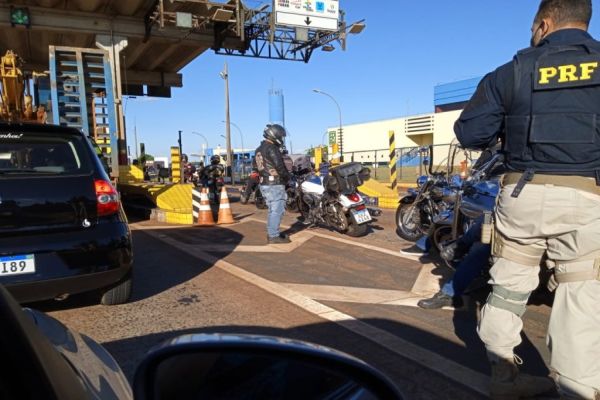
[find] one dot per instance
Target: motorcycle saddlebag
(348, 176)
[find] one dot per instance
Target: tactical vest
(552, 123)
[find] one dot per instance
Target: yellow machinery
(16, 106)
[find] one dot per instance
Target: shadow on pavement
(162, 273)
(408, 376)
(465, 320)
(415, 381)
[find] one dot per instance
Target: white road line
(348, 294)
(446, 367)
(352, 243)
(427, 283)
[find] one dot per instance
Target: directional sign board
(311, 14)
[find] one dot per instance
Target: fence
(412, 161)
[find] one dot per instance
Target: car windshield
(35, 153)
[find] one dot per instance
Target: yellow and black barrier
(175, 165)
(393, 161)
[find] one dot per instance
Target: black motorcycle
(291, 189)
(416, 212)
(213, 180)
(476, 200)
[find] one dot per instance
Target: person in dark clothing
(251, 184)
(475, 261)
(273, 178)
(544, 107)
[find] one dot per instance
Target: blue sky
(389, 70)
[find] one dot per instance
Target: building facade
(368, 142)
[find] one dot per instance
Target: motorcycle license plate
(16, 265)
(362, 216)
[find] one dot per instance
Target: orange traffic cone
(225, 215)
(205, 215)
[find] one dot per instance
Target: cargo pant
(564, 225)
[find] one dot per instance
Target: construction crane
(17, 106)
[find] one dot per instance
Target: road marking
(427, 283)
(352, 243)
(135, 227)
(433, 361)
(348, 294)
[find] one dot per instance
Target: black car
(62, 227)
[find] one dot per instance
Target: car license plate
(362, 216)
(16, 265)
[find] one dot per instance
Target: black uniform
(544, 105)
(270, 165)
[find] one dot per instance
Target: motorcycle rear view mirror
(255, 367)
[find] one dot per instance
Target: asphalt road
(355, 295)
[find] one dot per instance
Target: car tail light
(354, 197)
(361, 207)
(107, 197)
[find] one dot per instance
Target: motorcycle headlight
(421, 180)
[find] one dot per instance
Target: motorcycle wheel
(292, 205)
(355, 230)
(303, 208)
(410, 232)
(260, 203)
(442, 236)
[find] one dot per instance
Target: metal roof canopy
(157, 49)
(154, 55)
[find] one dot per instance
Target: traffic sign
(312, 14)
(332, 137)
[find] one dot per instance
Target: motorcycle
(475, 201)
(256, 196)
(334, 201)
(435, 194)
(214, 181)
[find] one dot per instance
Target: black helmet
(275, 133)
(216, 159)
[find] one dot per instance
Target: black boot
(508, 383)
(279, 240)
(440, 300)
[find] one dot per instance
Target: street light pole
(225, 76)
(180, 157)
(242, 142)
(340, 118)
(205, 141)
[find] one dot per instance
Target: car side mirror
(255, 367)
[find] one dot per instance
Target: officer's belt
(570, 181)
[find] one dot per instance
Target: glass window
(39, 154)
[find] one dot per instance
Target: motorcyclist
(214, 171)
(188, 169)
(273, 178)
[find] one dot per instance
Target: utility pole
(225, 76)
(341, 129)
(137, 154)
(180, 156)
